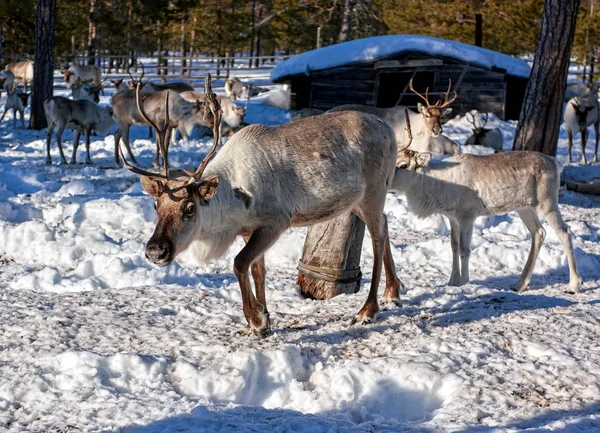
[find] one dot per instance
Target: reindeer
(265, 180)
(426, 123)
(81, 90)
(465, 186)
(581, 112)
(76, 74)
(17, 100)
(126, 114)
(483, 136)
(82, 115)
(232, 114)
(22, 71)
(176, 86)
(233, 88)
(7, 81)
(119, 84)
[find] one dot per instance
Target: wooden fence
(174, 67)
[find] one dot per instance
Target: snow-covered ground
(94, 338)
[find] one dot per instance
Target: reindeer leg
(22, 119)
(48, 140)
(75, 146)
(393, 285)
(150, 133)
(570, 135)
(584, 136)
(259, 273)
(3, 114)
(454, 242)
(596, 127)
(118, 135)
(59, 132)
(88, 159)
(14, 118)
(464, 248)
(538, 234)
(126, 140)
(377, 228)
(553, 217)
(260, 241)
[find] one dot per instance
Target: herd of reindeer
(265, 180)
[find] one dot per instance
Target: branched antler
(439, 103)
(408, 130)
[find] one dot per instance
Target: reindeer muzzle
(159, 252)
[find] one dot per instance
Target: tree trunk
(330, 263)
(540, 118)
(346, 21)
(183, 48)
(92, 24)
(43, 61)
(1, 53)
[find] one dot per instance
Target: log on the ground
(330, 263)
(583, 188)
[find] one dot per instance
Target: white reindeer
(232, 115)
(265, 180)
(233, 88)
(425, 124)
(17, 101)
(482, 136)
(581, 112)
(464, 187)
(82, 115)
(22, 71)
(81, 90)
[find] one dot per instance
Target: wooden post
(227, 64)
(1, 54)
(478, 30)
(330, 263)
(73, 49)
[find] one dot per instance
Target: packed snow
(381, 47)
(95, 338)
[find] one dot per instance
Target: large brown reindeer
(265, 180)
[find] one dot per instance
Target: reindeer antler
(408, 130)
(162, 134)
(440, 104)
(470, 118)
(212, 103)
(425, 98)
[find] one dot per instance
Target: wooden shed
(376, 71)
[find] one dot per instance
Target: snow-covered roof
(380, 47)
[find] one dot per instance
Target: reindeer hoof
(365, 318)
(394, 302)
(574, 287)
(520, 288)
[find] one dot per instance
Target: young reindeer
(265, 180)
(483, 136)
(465, 186)
(81, 115)
(581, 112)
(22, 71)
(17, 101)
(426, 123)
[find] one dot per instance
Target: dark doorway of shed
(393, 87)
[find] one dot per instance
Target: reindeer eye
(403, 165)
(189, 210)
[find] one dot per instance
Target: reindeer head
(433, 114)
(133, 84)
(581, 111)
(412, 160)
(182, 201)
(24, 97)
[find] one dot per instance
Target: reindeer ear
(420, 108)
(152, 186)
(208, 188)
(423, 159)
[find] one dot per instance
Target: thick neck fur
(427, 191)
